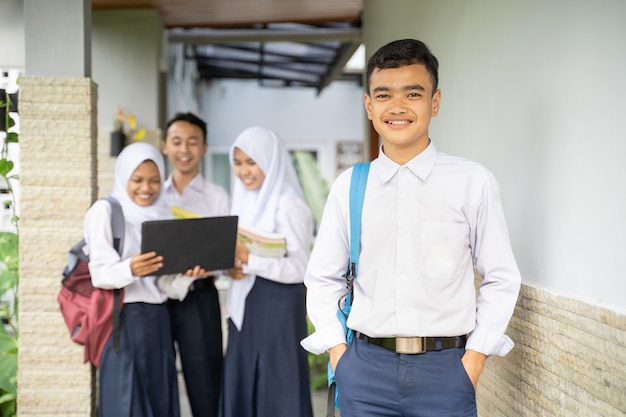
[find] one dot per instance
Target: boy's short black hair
(189, 118)
(400, 53)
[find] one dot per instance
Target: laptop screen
(184, 243)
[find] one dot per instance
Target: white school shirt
(200, 197)
(425, 225)
(294, 221)
(108, 269)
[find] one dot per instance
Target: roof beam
(335, 69)
(218, 36)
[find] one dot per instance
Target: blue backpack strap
(117, 229)
(357, 194)
(358, 183)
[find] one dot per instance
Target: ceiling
(280, 43)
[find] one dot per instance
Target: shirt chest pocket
(443, 250)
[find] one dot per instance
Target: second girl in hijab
(266, 371)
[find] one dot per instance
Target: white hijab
(127, 162)
(258, 208)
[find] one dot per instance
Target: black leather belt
(415, 345)
(202, 283)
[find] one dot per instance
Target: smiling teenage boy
(196, 321)
(429, 219)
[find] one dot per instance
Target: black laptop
(184, 243)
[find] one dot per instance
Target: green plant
(9, 265)
(317, 366)
(315, 190)
(314, 186)
(8, 373)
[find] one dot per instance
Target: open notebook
(184, 243)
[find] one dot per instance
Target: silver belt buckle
(410, 345)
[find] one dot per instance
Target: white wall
(301, 117)
(535, 91)
(58, 38)
(127, 59)
(12, 36)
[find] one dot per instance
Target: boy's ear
(367, 100)
(436, 103)
(163, 147)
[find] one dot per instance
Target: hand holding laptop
(144, 264)
(198, 272)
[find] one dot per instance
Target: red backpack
(92, 314)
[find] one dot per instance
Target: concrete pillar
(58, 166)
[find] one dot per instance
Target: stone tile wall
(569, 361)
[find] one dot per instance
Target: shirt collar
(421, 165)
(168, 184)
(196, 184)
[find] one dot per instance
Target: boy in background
(196, 321)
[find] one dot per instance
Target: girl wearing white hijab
(140, 379)
(266, 371)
